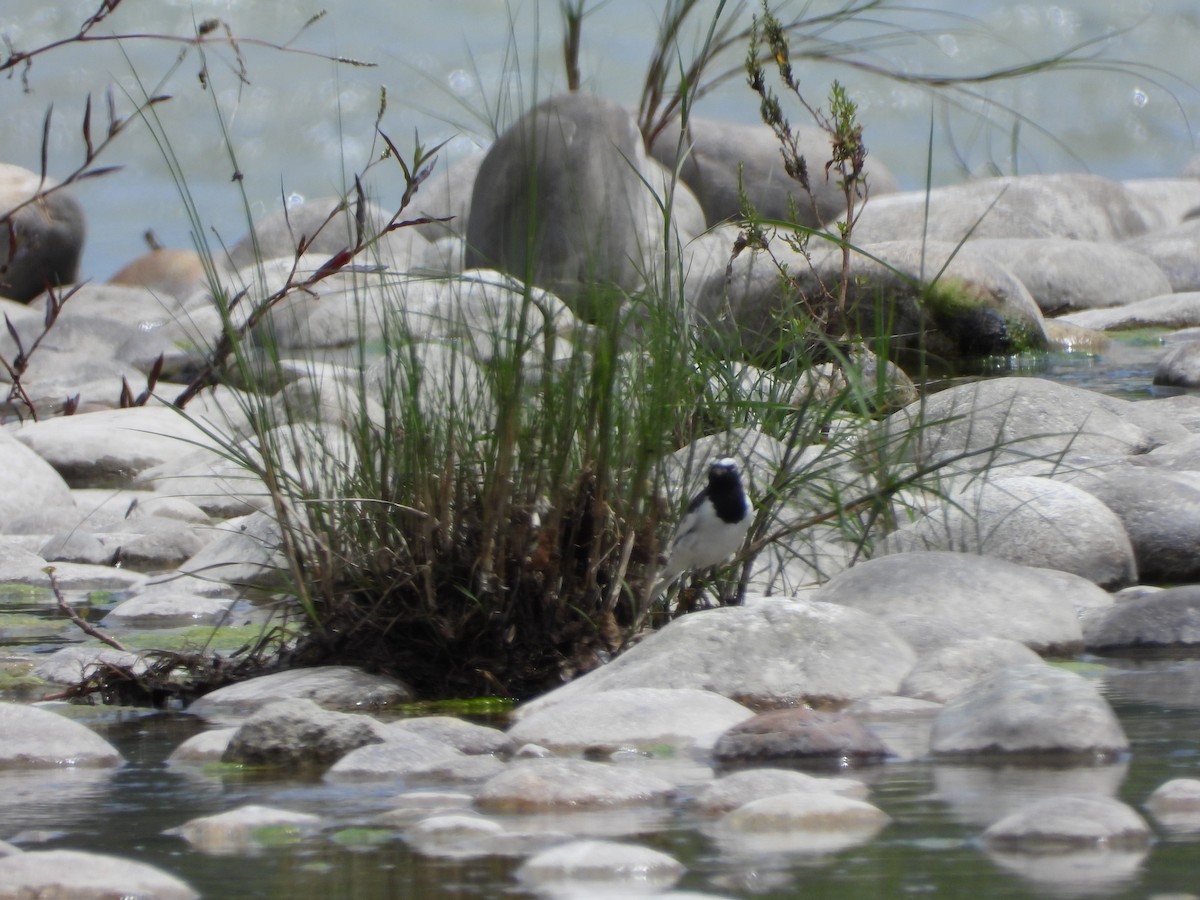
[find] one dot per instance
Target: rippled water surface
(930, 849)
(299, 125)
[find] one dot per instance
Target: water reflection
(1083, 873)
(981, 795)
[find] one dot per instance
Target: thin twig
(83, 626)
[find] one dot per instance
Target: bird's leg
(686, 601)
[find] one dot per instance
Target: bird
(713, 526)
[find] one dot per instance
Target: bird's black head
(725, 490)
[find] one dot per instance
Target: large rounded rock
(399, 756)
(1063, 275)
(333, 687)
(807, 823)
(1035, 712)
(164, 272)
(1175, 805)
(1180, 366)
(1177, 310)
(38, 739)
(1176, 251)
(28, 484)
(1032, 421)
(739, 788)
(799, 736)
(111, 447)
(1074, 206)
(633, 717)
(239, 830)
(977, 308)
(1031, 521)
(1057, 824)
(327, 227)
(959, 595)
(771, 653)
(600, 868)
(720, 160)
(299, 734)
(1160, 511)
(945, 673)
(1169, 618)
(565, 785)
(466, 737)
(43, 247)
(85, 876)
(559, 199)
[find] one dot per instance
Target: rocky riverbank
(1060, 518)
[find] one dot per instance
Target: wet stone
(546, 785)
(606, 867)
(799, 736)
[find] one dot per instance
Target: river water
(299, 125)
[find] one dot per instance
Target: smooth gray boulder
(1160, 511)
(327, 226)
(245, 553)
(111, 447)
(1179, 366)
(43, 246)
(297, 733)
(165, 608)
(28, 484)
(945, 673)
(36, 738)
(1166, 201)
(940, 597)
(85, 876)
(1030, 712)
(1031, 521)
(978, 308)
(1062, 823)
(466, 737)
(600, 868)
(559, 200)
(1039, 424)
(1068, 205)
(1064, 275)
(630, 717)
(720, 159)
(1175, 805)
(128, 308)
(568, 785)
(799, 823)
(1174, 310)
(446, 194)
(333, 687)
(399, 755)
(455, 836)
(819, 653)
(237, 831)
(1175, 249)
(203, 748)
(815, 738)
(736, 789)
(1169, 618)
(73, 664)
